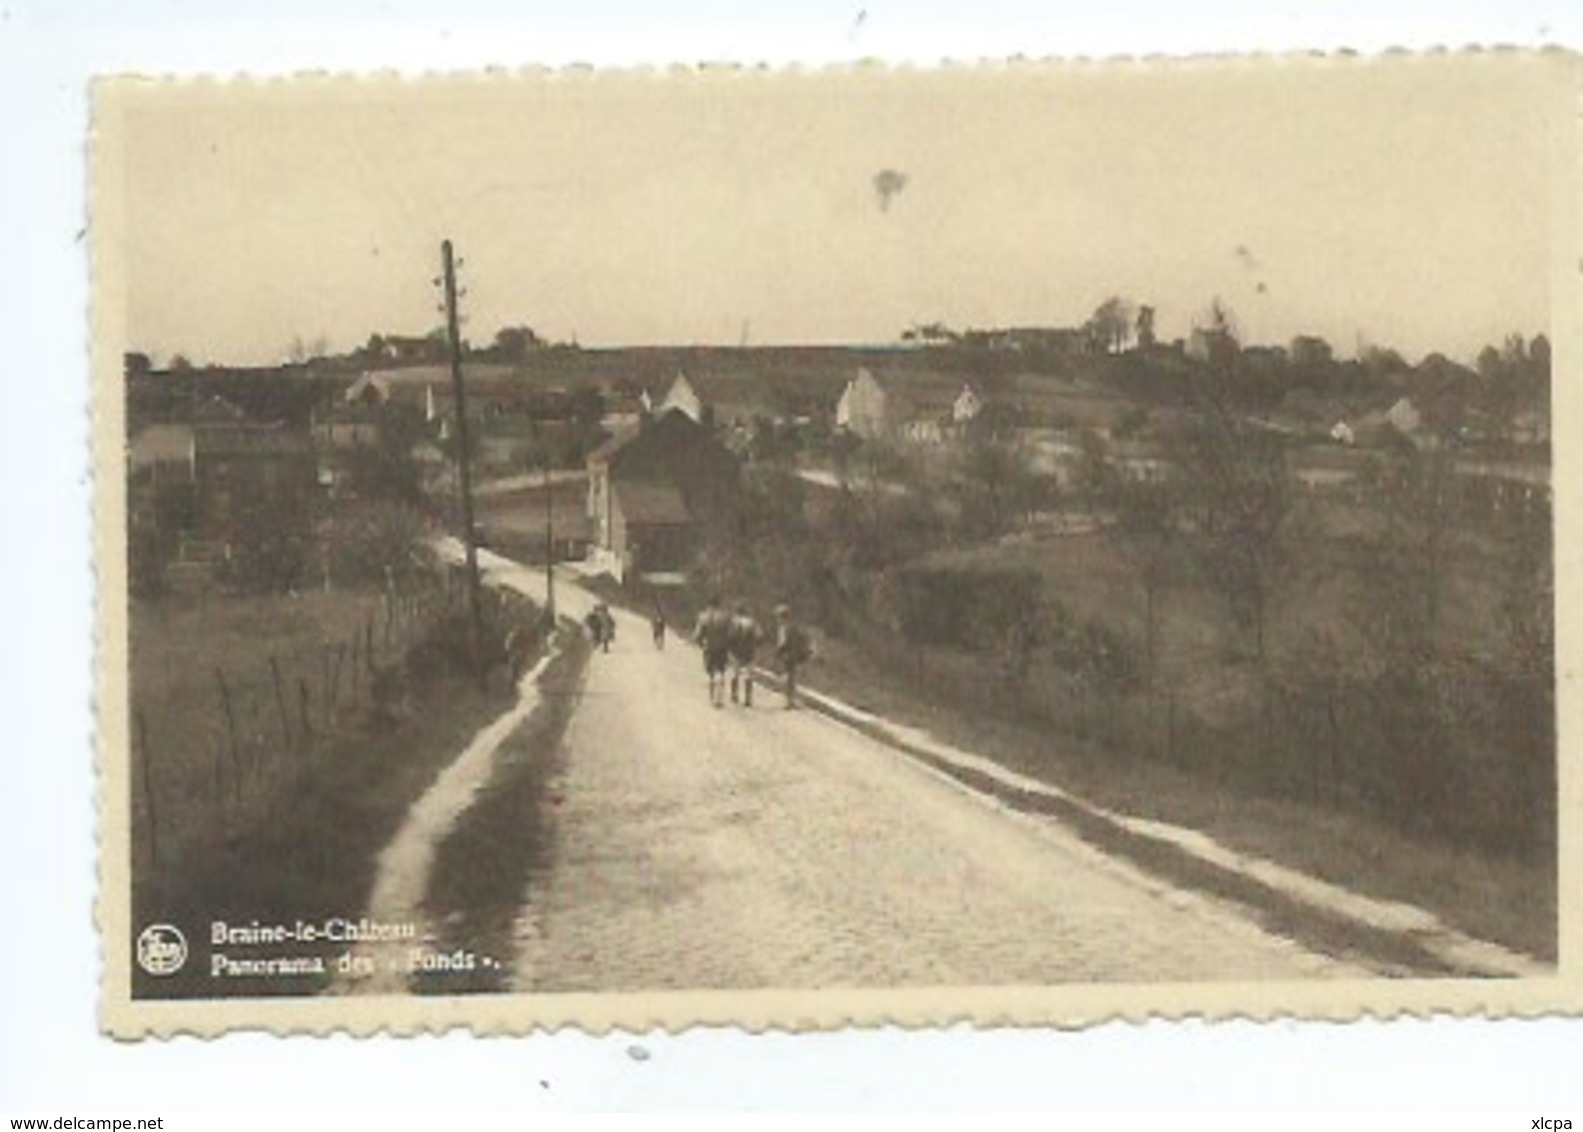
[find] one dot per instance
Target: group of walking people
(731, 639)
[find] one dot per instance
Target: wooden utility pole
(549, 541)
(464, 475)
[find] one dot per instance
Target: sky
(1400, 203)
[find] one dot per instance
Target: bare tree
(1149, 537)
(1239, 493)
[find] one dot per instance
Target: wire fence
(223, 761)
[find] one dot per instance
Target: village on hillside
(1263, 575)
(209, 446)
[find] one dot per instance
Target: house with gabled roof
(873, 408)
(652, 492)
(684, 398)
(865, 408)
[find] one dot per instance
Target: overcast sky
(1405, 203)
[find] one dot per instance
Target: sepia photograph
(1041, 542)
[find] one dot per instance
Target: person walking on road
(713, 635)
(792, 650)
(745, 640)
(607, 624)
(601, 626)
(657, 624)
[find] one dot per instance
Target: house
(1404, 417)
(162, 451)
(1051, 453)
(864, 408)
(1530, 427)
(244, 471)
(204, 480)
(1139, 461)
(967, 406)
(683, 397)
(215, 409)
(652, 491)
(161, 472)
(428, 387)
(1343, 433)
(920, 414)
(348, 425)
(653, 526)
(436, 470)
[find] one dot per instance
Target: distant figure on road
(745, 640)
(713, 635)
(601, 626)
(792, 649)
(657, 624)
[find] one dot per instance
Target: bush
(365, 541)
(1096, 653)
(972, 608)
(268, 550)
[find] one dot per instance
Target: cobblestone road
(705, 848)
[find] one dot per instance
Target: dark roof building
(651, 490)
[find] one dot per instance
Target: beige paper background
(1555, 117)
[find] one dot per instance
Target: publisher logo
(161, 949)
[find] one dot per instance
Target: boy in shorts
(745, 640)
(713, 636)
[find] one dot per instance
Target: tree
(930, 334)
(1381, 363)
(1147, 532)
(512, 343)
(1216, 338)
(1490, 365)
(1311, 352)
(1539, 355)
(997, 482)
(1409, 551)
(1239, 492)
(1095, 478)
(1109, 328)
(136, 364)
(1144, 327)
(376, 350)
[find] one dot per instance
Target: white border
(51, 1057)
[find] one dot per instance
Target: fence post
(324, 683)
(335, 684)
(280, 701)
(302, 705)
(219, 780)
(1170, 725)
(230, 728)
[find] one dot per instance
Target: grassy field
(192, 658)
(287, 825)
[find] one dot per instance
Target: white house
(862, 408)
(967, 406)
(684, 397)
(1404, 417)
